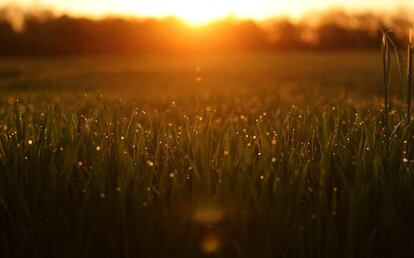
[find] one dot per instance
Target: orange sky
(200, 11)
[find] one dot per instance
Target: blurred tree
(8, 38)
(42, 33)
(287, 35)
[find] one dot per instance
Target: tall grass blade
(409, 76)
(386, 74)
(400, 62)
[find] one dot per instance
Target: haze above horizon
(202, 11)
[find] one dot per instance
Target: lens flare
(211, 243)
(208, 213)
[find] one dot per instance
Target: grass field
(254, 155)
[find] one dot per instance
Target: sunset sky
(205, 10)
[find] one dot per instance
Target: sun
(197, 18)
(201, 12)
(192, 12)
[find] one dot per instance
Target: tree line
(47, 34)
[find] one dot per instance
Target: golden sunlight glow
(202, 11)
(193, 12)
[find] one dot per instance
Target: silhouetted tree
(288, 35)
(46, 34)
(8, 38)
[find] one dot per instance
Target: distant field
(355, 72)
(254, 155)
